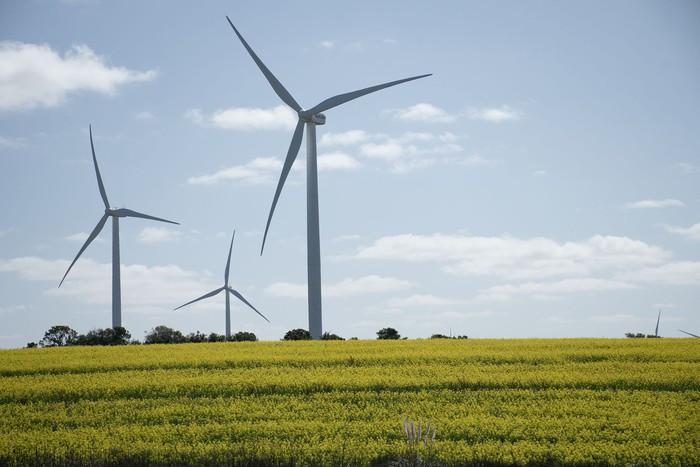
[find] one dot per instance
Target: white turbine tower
(228, 289)
(115, 214)
(310, 118)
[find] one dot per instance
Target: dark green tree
(297, 335)
(164, 335)
(196, 337)
(59, 336)
(388, 333)
(244, 336)
(214, 337)
(107, 336)
(327, 336)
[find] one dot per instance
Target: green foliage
(297, 335)
(108, 336)
(164, 335)
(244, 336)
(640, 335)
(327, 336)
(59, 336)
(388, 333)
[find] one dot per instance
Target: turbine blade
(288, 162)
(210, 294)
(95, 232)
(274, 82)
(123, 212)
(100, 185)
(343, 98)
(689, 333)
(240, 297)
(228, 263)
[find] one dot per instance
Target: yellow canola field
(517, 402)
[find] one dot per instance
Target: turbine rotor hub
(115, 212)
(318, 119)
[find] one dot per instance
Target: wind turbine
(689, 333)
(115, 214)
(658, 319)
(227, 288)
(309, 118)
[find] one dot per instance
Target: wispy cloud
(685, 167)
(327, 44)
(11, 143)
(259, 171)
(677, 273)
(654, 204)
(144, 116)
(516, 258)
(34, 75)
(159, 235)
(422, 112)
(691, 233)
(422, 301)
(345, 288)
(552, 290)
(351, 137)
(337, 161)
(246, 118)
(500, 114)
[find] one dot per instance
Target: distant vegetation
(63, 336)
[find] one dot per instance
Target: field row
(515, 402)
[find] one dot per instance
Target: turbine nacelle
(115, 212)
(317, 119)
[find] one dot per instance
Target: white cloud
(345, 288)
(337, 161)
(516, 258)
(389, 151)
(552, 290)
(33, 75)
(77, 237)
(422, 112)
(677, 273)
(158, 235)
(494, 114)
(143, 287)
(246, 118)
(327, 44)
(653, 204)
(258, 171)
(685, 167)
(8, 143)
(421, 301)
(346, 138)
(346, 238)
(691, 233)
(144, 116)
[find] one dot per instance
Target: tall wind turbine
(228, 289)
(309, 118)
(115, 214)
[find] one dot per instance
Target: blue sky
(542, 183)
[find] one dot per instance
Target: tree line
(62, 335)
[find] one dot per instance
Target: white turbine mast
(309, 118)
(115, 214)
(228, 289)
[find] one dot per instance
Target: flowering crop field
(494, 402)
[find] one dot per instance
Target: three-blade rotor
(109, 212)
(226, 287)
(305, 116)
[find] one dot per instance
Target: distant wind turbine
(690, 334)
(227, 288)
(115, 214)
(658, 319)
(310, 118)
